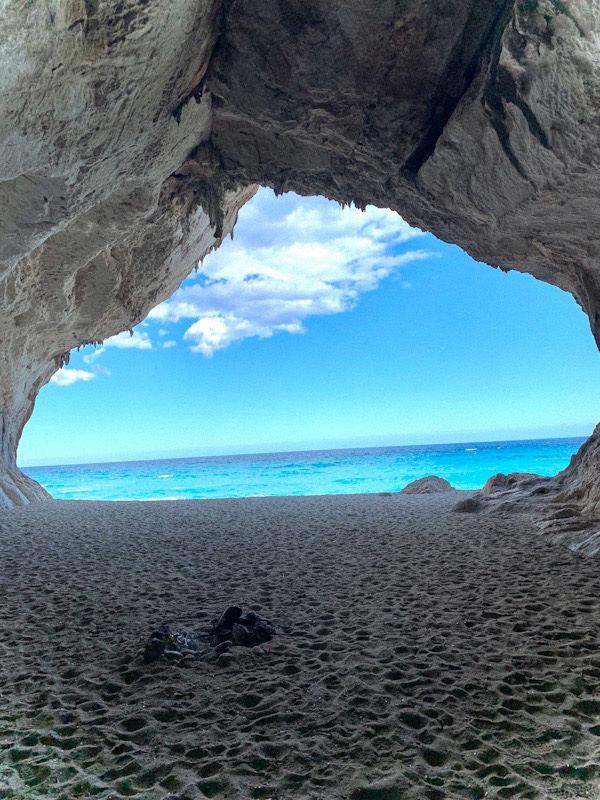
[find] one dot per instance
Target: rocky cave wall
(131, 132)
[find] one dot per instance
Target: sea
(357, 470)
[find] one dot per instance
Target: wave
(376, 470)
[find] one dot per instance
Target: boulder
(468, 506)
(429, 485)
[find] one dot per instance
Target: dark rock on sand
(240, 635)
(157, 644)
(247, 631)
(209, 643)
(228, 617)
(468, 505)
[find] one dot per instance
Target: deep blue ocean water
(357, 470)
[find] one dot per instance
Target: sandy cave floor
(422, 654)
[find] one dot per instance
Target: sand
(422, 653)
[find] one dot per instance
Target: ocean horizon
(467, 465)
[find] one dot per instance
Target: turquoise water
(375, 469)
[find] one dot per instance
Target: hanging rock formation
(133, 130)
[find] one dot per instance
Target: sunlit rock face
(132, 132)
(101, 217)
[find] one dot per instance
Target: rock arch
(133, 131)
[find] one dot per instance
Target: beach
(420, 652)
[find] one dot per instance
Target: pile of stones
(233, 628)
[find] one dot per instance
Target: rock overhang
(132, 132)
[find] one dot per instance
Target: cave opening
(417, 653)
(324, 328)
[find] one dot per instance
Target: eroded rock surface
(501, 482)
(133, 131)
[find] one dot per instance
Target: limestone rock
(429, 485)
(132, 132)
(580, 481)
(501, 482)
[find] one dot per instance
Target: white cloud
(292, 258)
(127, 340)
(170, 343)
(66, 376)
(162, 332)
(91, 357)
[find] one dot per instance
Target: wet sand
(421, 654)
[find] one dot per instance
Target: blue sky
(320, 326)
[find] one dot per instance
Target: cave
(454, 657)
(134, 131)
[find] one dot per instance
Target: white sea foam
(165, 476)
